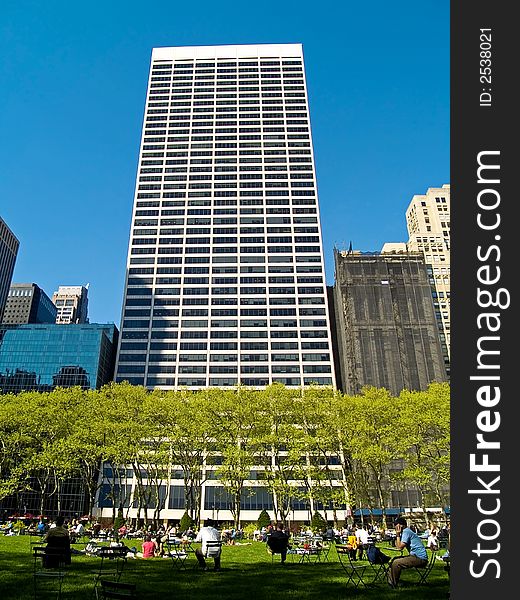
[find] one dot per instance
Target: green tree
(424, 425)
(282, 448)
(184, 417)
(186, 522)
(318, 523)
(377, 440)
(236, 418)
(263, 519)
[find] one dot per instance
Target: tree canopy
(313, 444)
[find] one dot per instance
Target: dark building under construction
(385, 330)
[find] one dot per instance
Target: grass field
(247, 573)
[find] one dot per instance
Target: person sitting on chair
(417, 557)
(58, 542)
(278, 542)
(41, 528)
(352, 545)
(362, 540)
(208, 533)
(433, 541)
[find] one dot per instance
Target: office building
(72, 304)
(8, 252)
(28, 303)
(385, 322)
(42, 357)
(225, 274)
(428, 224)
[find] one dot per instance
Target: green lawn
(247, 574)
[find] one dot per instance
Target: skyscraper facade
(28, 303)
(8, 251)
(385, 323)
(225, 274)
(428, 224)
(72, 304)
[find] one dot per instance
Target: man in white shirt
(208, 533)
(362, 540)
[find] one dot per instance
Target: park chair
(116, 589)
(324, 554)
(378, 562)
(354, 572)
(178, 556)
(49, 568)
(213, 550)
(112, 561)
(35, 539)
(423, 572)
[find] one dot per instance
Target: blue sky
(73, 77)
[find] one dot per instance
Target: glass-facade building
(42, 357)
(225, 273)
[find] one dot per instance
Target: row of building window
(242, 84)
(180, 69)
(135, 323)
(217, 280)
(227, 346)
(134, 347)
(228, 269)
(200, 301)
(204, 62)
(215, 239)
(215, 369)
(191, 358)
(215, 498)
(189, 291)
(224, 381)
(132, 334)
(262, 207)
(228, 312)
(243, 131)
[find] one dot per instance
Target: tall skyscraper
(8, 251)
(428, 223)
(28, 303)
(72, 304)
(225, 276)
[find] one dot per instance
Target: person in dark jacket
(58, 543)
(278, 542)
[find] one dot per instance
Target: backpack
(375, 556)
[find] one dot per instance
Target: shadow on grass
(247, 574)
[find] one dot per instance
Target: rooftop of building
(228, 51)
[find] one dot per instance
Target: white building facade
(225, 274)
(428, 224)
(71, 302)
